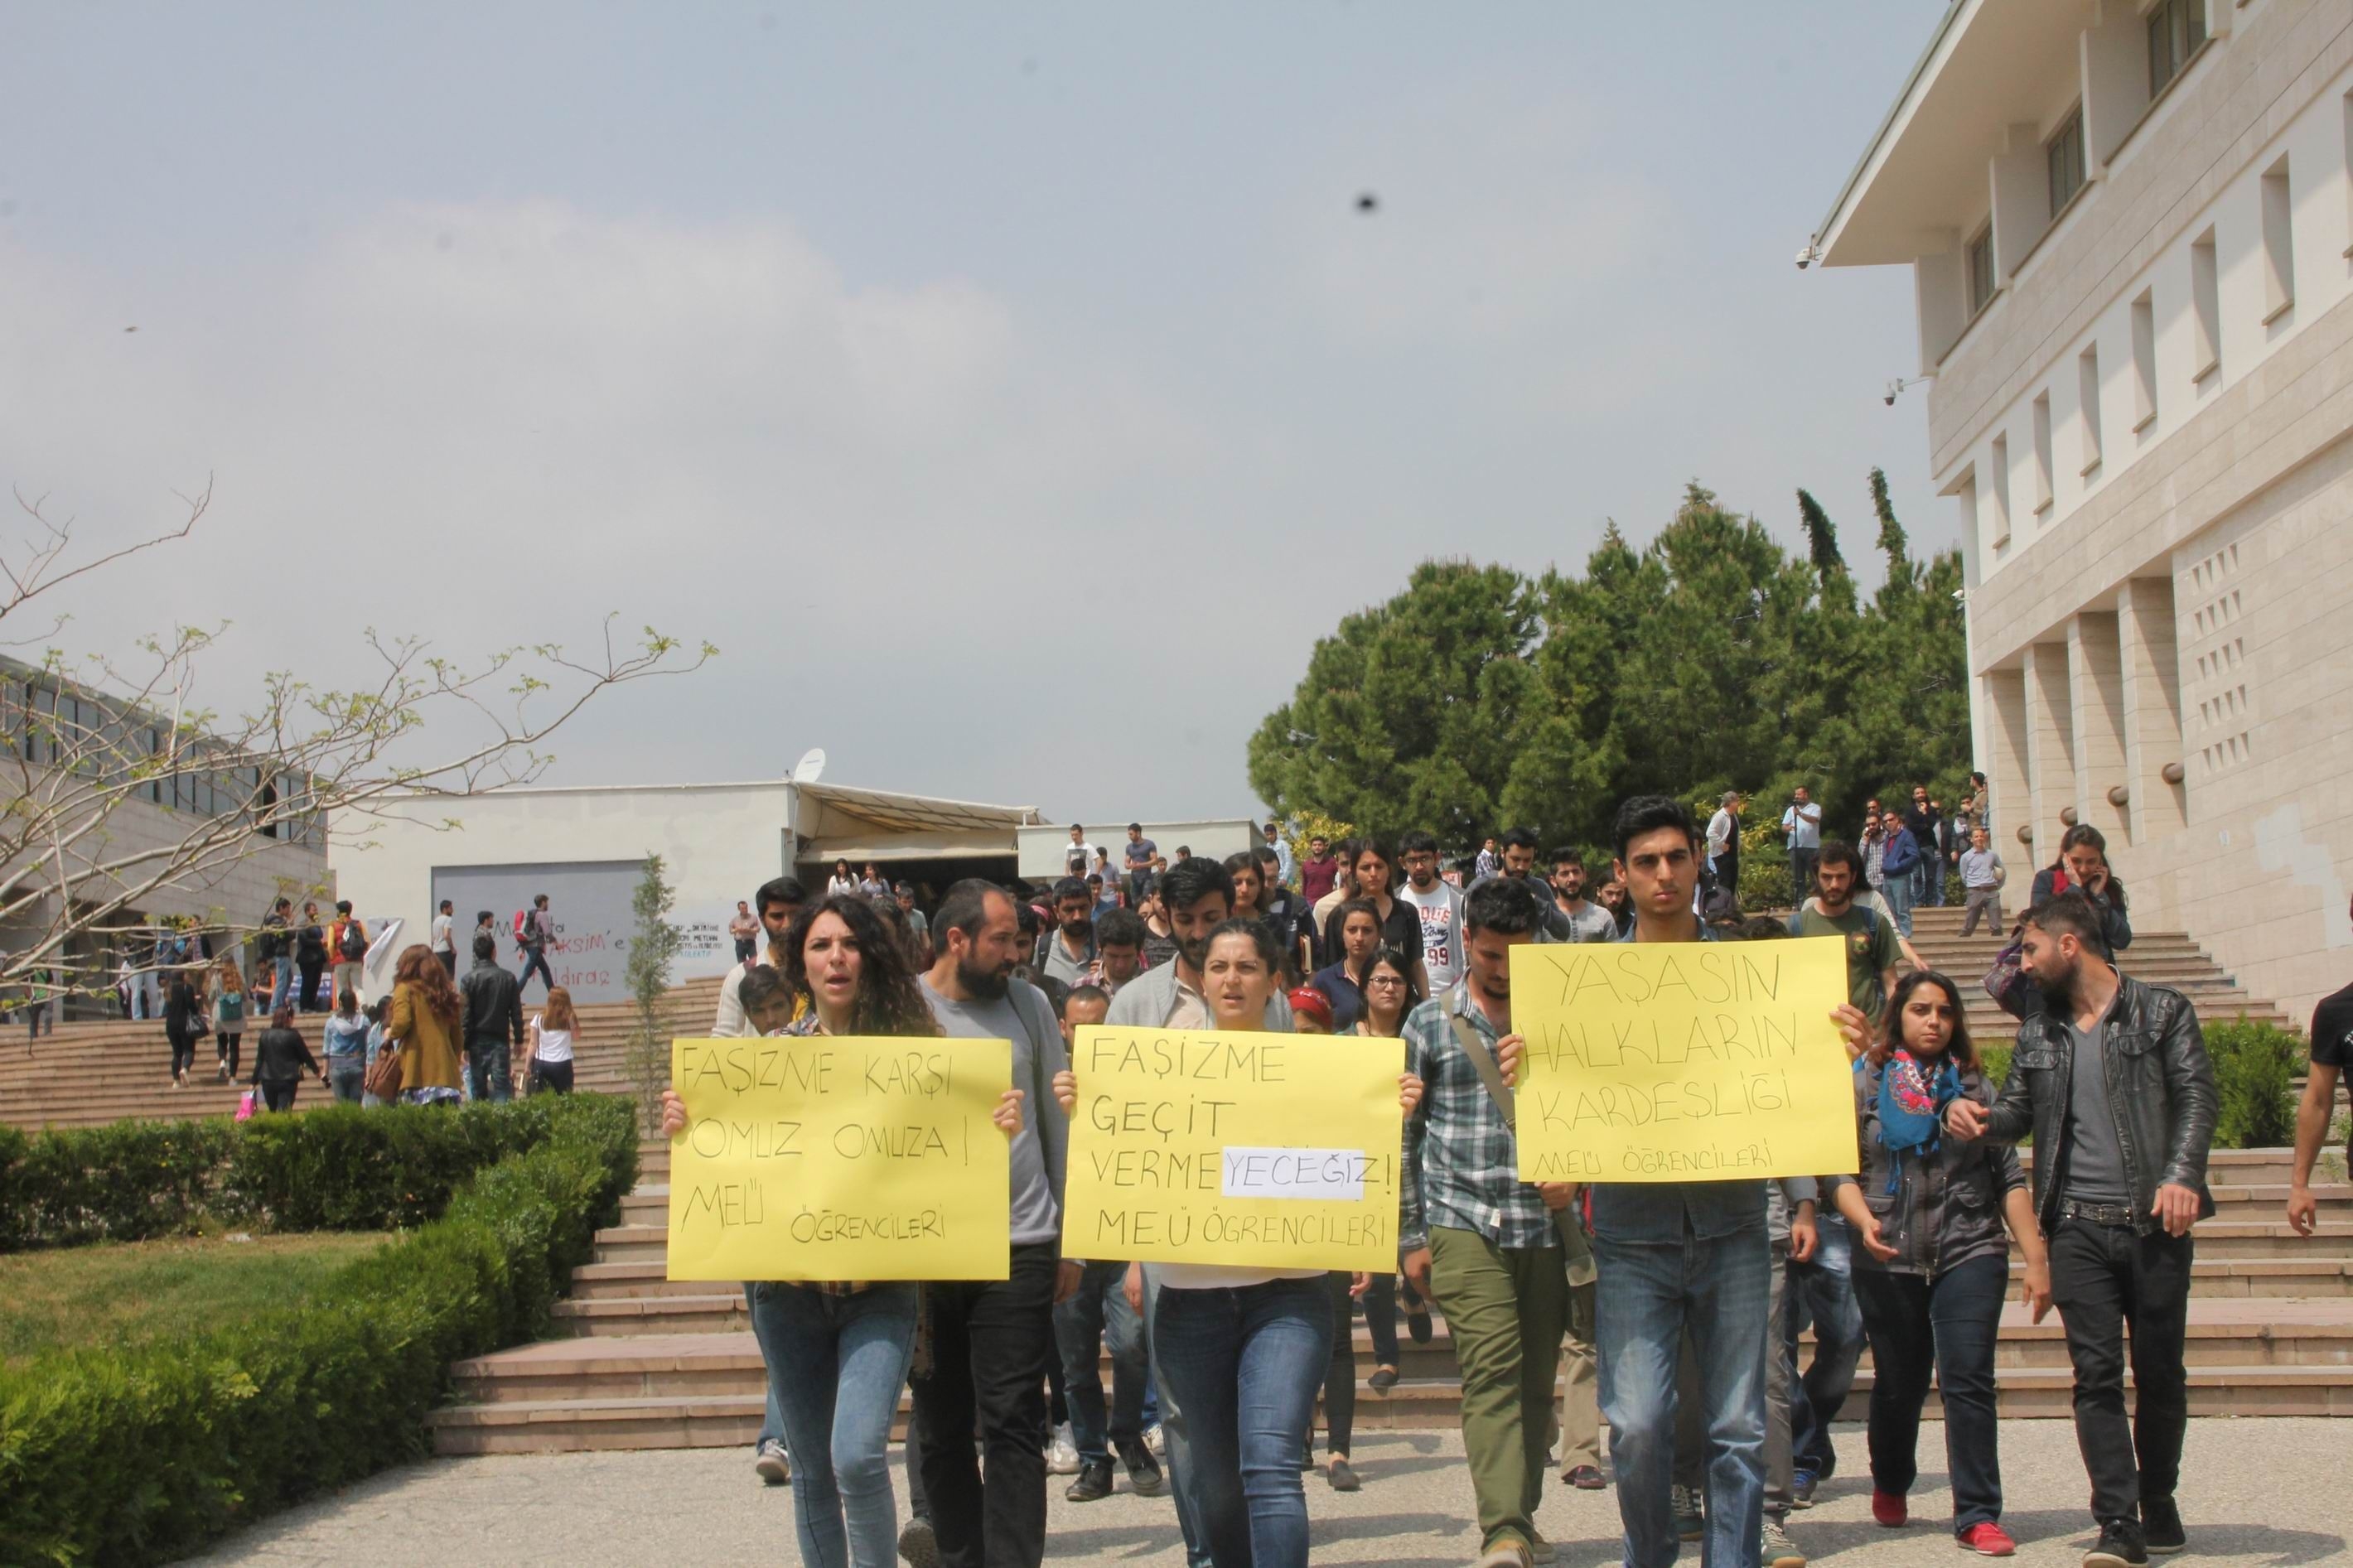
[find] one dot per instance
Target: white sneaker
(1153, 1440)
(1061, 1455)
(772, 1464)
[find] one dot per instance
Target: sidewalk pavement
(2268, 1492)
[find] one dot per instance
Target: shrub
(343, 1168)
(334, 1168)
(141, 1455)
(2255, 1080)
(127, 1181)
(1765, 881)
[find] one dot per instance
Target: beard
(1196, 954)
(2058, 990)
(988, 984)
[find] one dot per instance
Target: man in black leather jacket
(2113, 1082)
(493, 1018)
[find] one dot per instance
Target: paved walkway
(2268, 1492)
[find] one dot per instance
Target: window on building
(1980, 269)
(2205, 307)
(2087, 404)
(2043, 454)
(2144, 347)
(2176, 29)
(1998, 492)
(2279, 244)
(2063, 156)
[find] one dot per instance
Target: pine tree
(1822, 537)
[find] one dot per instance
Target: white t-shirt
(441, 941)
(1441, 931)
(554, 1045)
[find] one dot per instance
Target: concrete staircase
(654, 1363)
(88, 1074)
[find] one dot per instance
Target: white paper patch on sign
(1331, 1173)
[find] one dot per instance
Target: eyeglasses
(1372, 980)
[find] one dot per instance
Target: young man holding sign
(1477, 1240)
(1677, 1257)
(991, 1339)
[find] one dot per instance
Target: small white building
(585, 847)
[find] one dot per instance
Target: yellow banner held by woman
(1254, 1151)
(824, 1157)
(1682, 1061)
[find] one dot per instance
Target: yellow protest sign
(1251, 1149)
(818, 1157)
(1682, 1061)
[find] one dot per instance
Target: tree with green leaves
(653, 949)
(1710, 659)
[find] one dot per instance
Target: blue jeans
(772, 1417)
(488, 1073)
(1176, 1459)
(1244, 1364)
(1823, 1293)
(836, 1364)
(1719, 1289)
(1898, 891)
(1095, 1316)
(345, 1076)
(535, 961)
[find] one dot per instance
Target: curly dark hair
(890, 1000)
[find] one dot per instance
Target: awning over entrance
(835, 823)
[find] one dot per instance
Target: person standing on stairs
(2332, 1053)
(841, 1351)
(2113, 1082)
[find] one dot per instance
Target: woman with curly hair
(838, 1352)
(425, 1014)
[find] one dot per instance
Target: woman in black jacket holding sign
(837, 1350)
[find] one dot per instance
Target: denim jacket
(1660, 1213)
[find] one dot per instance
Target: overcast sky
(1013, 393)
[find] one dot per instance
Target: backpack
(521, 927)
(354, 941)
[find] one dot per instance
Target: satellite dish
(812, 763)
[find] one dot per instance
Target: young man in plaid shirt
(1476, 1239)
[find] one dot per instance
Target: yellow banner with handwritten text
(1250, 1150)
(1682, 1061)
(818, 1157)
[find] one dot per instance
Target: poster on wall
(594, 922)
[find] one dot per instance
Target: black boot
(1142, 1471)
(1093, 1482)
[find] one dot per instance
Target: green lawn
(121, 1293)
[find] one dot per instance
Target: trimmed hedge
(338, 1167)
(2254, 1078)
(343, 1168)
(128, 1182)
(142, 1455)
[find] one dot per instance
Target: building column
(2001, 704)
(2149, 649)
(2049, 751)
(2095, 678)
